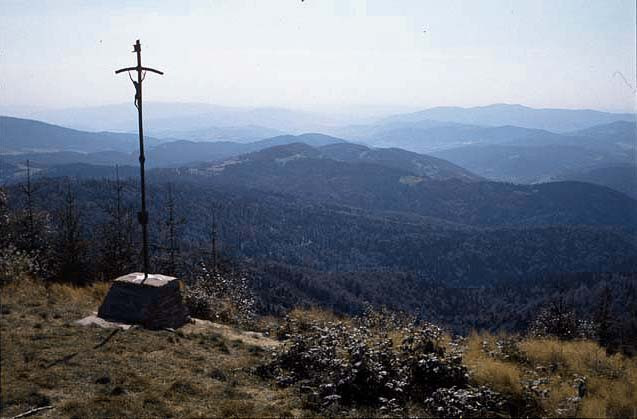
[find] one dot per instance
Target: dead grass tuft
(314, 314)
(581, 357)
(502, 376)
(611, 380)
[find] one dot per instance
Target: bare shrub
(221, 296)
(558, 319)
(362, 363)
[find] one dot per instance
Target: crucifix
(142, 216)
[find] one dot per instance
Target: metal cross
(142, 216)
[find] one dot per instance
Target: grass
(554, 366)
(201, 371)
(611, 380)
(206, 370)
(502, 376)
(314, 314)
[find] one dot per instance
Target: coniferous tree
(70, 251)
(117, 246)
(603, 317)
(31, 223)
(28, 190)
(170, 247)
(214, 238)
(5, 233)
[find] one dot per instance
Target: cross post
(142, 216)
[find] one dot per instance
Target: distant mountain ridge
(187, 117)
(504, 153)
(49, 145)
(196, 121)
(239, 134)
(426, 135)
(558, 120)
(539, 157)
(29, 135)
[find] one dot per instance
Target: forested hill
(302, 232)
(374, 185)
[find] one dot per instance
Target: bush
(224, 297)
(559, 320)
(455, 402)
(16, 263)
(363, 363)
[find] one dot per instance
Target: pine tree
(5, 232)
(213, 238)
(70, 252)
(603, 317)
(31, 222)
(171, 264)
(117, 245)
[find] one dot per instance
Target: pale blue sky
(322, 54)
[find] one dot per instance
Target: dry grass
(584, 357)
(611, 380)
(502, 376)
(197, 372)
(610, 398)
(314, 314)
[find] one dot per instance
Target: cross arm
(121, 70)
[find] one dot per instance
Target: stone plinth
(156, 303)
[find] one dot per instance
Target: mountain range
(504, 153)
(167, 119)
(330, 204)
(558, 120)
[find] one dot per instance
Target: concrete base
(157, 303)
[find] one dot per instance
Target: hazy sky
(322, 53)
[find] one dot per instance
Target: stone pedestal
(155, 304)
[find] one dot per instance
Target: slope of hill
(200, 370)
(527, 164)
(418, 164)
(620, 131)
(48, 159)
(301, 171)
(620, 178)
(360, 219)
(181, 152)
(207, 369)
(618, 138)
(23, 135)
(311, 139)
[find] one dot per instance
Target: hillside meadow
(207, 369)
